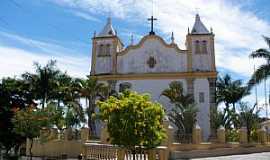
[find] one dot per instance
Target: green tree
(14, 95)
(263, 72)
(133, 120)
(29, 122)
(249, 118)
(219, 118)
(68, 97)
(176, 94)
(43, 82)
(230, 92)
(184, 117)
(184, 112)
(91, 89)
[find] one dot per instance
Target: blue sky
(39, 30)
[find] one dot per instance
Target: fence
(95, 151)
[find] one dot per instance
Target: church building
(152, 64)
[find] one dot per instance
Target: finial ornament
(211, 30)
(172, 38)
(188, 30)
(95, 33)
(197, 10)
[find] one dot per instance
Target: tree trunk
(30, 149)
(58, 103)
(234, 107)
(91, 122)
(43, 102)
(6, 153)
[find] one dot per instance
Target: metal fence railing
(94, 151)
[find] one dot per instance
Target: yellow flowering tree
(133, 120)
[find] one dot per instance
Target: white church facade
(152, 64)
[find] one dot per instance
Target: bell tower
(105, 46)
(200, 44)
(201, 59)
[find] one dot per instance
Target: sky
(40, 30)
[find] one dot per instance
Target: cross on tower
(152, 19)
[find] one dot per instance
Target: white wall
(103, 65)
(203, 117)
(168, 59)
(154, 88)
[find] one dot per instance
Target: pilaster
(189, 53)
(94, 56)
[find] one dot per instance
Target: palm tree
(263, 72)
(43, 82)
(66, 104)
(91, 89)
(249, 118)
(184, 117)
(230, 92)
(219, 118)
(175, 93)
(184, 112)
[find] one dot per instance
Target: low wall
(56, 148)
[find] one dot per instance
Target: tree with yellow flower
(133, 120)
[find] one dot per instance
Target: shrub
(133, 120)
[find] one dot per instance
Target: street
(254, 156)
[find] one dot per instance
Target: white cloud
(16, 61)
(86, 16)
(238, 32)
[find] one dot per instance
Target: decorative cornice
(108, 37)
(131, 47)
(169, 75)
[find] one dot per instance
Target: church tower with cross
(152, 64)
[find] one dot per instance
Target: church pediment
(150, 38)
(152, 55)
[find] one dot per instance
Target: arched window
(124, 86)
(204, 47)
(197, 47)
(101, 50)
(108, 48)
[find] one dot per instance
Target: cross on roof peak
(152, 19)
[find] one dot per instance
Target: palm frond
(263, 72)
(267, 40)
(260, 53)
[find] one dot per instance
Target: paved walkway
(254, 156)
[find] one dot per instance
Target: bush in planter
(133, 120)
(232, 135)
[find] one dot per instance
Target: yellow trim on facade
(94, 55)
(144, 76)
(189, 53)
(131, 47)
(114, 56)
(212, 39)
